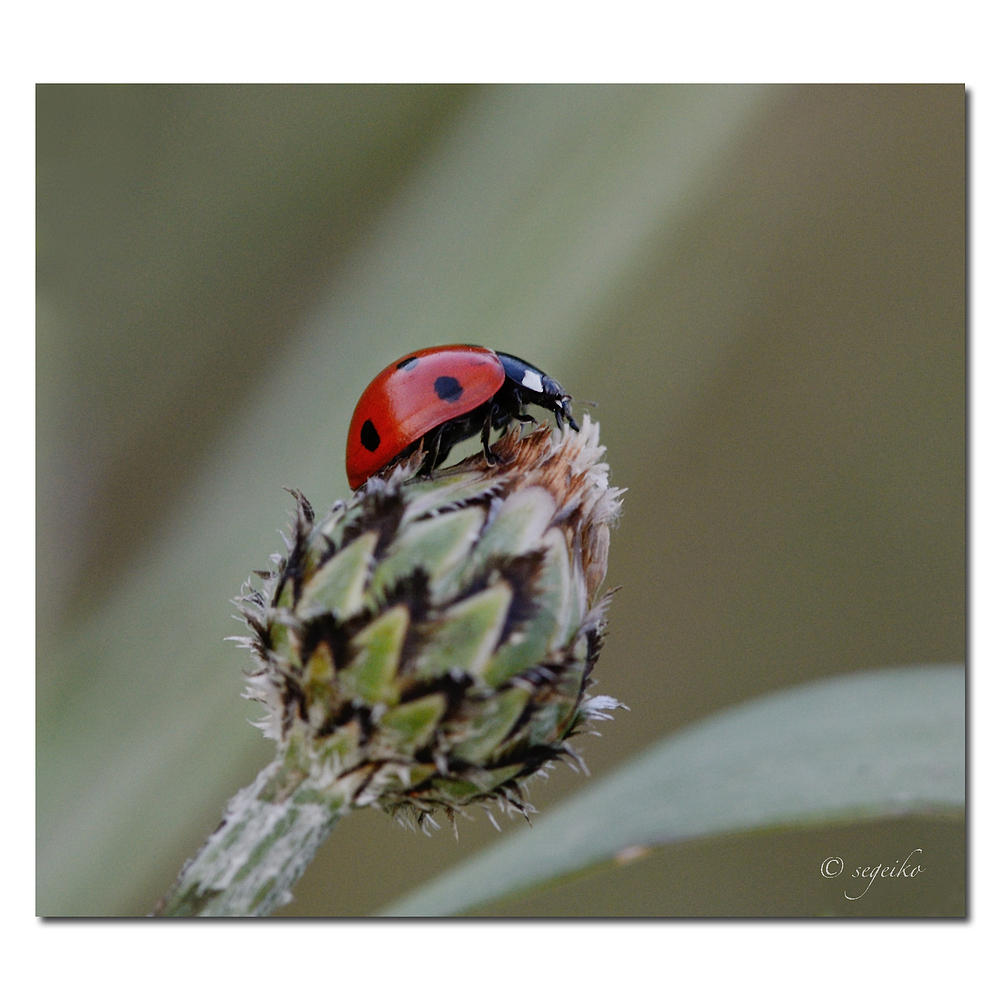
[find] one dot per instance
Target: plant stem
(268, 835)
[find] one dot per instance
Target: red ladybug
(443, 395)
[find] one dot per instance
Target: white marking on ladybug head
(532, 380)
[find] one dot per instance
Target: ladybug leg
(488, 453)
(433, 455)
(526, 418)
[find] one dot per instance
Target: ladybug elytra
(440, 396)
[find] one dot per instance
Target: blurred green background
(761, 288)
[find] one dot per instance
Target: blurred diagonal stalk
(519, 226)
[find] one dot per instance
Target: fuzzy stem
(268, 835)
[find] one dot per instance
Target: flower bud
(425, 646)
(433, 638)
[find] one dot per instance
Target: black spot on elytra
(369, 436)
(449, 389)
(407, 363)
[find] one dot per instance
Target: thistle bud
(424, 647)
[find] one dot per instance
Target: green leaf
(372, 674)
(465, 637)
(438, 544)
(496, 719)
(410, 726)
(517, 527)
(557, 615)
(340, 583)
(882, 743)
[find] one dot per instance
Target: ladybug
(440, 396)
